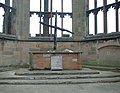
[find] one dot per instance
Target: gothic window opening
(103, 16)
(1, 16)
(1, 19)
(100, 18)
(6, 12)
(46, 14)
(111, 20)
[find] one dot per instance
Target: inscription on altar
(56, 62)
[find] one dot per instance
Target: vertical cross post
(40, 18)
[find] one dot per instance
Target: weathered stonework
(93, 52)
(100, 51)
(79, 19)
(42, 60)
(22, 18)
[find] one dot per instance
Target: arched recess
(109, 55)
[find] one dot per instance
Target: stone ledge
(116, 69)
(8, 37)
(54, 52)
(55, 82)
(102, 36)
(58, 77)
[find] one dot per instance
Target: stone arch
(108, 46)
(109, 55)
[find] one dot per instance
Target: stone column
(79, 18)
(22, 18)
(6, 20)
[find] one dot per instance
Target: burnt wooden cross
(55, 31)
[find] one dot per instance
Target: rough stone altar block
(42, 60)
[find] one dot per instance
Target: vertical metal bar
(51, 8)
(55, 32)
(62, 17)
(117, 18)
(40, 18)
(95, 16)
(46, 18)
(105, 16)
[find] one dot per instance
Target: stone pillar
(79, 18)
(22, 18)
(6, 16)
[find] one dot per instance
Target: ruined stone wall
(98, 52)
(14, 52)
(10, 53)
(95, 52)
(101, 52)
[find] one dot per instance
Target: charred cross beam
(62, 29)
(55, 30)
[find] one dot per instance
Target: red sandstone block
(70, 61)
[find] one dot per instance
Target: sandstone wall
(98, 52)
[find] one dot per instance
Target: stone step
(85, 76)
(53, 77)
(57, 73)
(58, 81)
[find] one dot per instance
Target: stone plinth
(42, 60)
